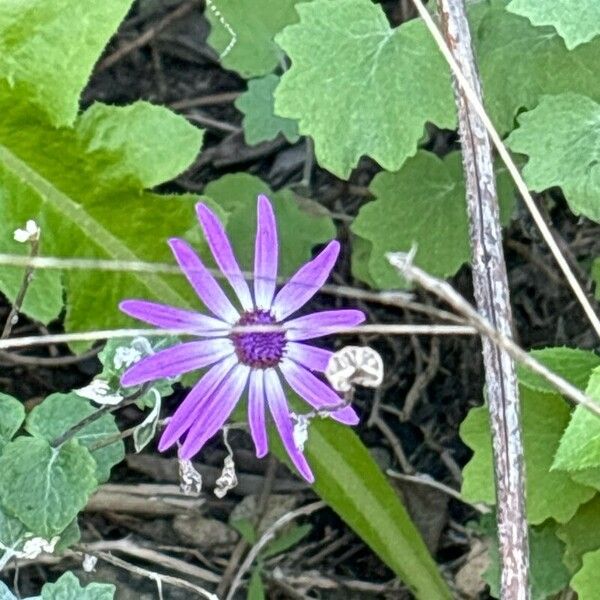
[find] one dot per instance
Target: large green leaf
(67, 587)
(560, 137)
(586, 581)
(45, 487)
(359, 87)
(48, 49)
(59, 412)
(576, 22)
(582, 533)
(84, 186)
(255, 24)
(550, 494)
(349, 480)
(299, 228)
(519, 63)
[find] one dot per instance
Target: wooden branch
(493, 303)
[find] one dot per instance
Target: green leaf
(48, 49)
(67, 588)
(286, 540)
(519, 63)
(359, 87)
(580, 444)
(550, 494)
(587, 580)
(255, 53)
(11, 531)
(245, 528)
(424, 204)
(260, 122)
(45, 487)
(89, 201)
(582, 533)
(59, 412)
(560, 137)
(5, 593)
(350, 481)
(548, 575)
(256, 589)
(572, 364)
(576, 23)
(299, 228)
(12, 415)
(174, 147)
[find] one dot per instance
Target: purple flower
(238, 359)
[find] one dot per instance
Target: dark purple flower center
(259, 350)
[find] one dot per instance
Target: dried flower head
(237, 358)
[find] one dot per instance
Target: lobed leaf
(576, 24)
(586, 580)
(359, 87)
(260, 122)
(581, 534)
(560, 137)
(67, 587)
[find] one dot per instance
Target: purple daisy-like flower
(237, 359)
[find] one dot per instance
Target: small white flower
(31, 233)
(99, 391)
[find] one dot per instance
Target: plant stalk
(493, 303)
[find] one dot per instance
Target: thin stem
(13, 315)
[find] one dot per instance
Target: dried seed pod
(354, 365)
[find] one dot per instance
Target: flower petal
(322, 323)
(187, 412)
(265, 254)
(318, 394)
(256, 412)
(215, 412)
(169, 317)
(305, 282)
(177, 360)
(311, 357)
(281, 415)
(203, 282)
(223, 254)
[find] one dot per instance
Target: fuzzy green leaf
(12, 415)
(550, 494)
(576, 22)
(572, 364)
(89, 201)
(48, 49)
(67, 587)
(424, 204)
(59, 412)
(580, 444)
(582, 533)
(260, 122)
(359, 87)
(300, 226)
(586, 581)
(45, 487)
(560, 137)
(519, 63)
(255, 52)
(350, 481)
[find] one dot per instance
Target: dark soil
(443, 375)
